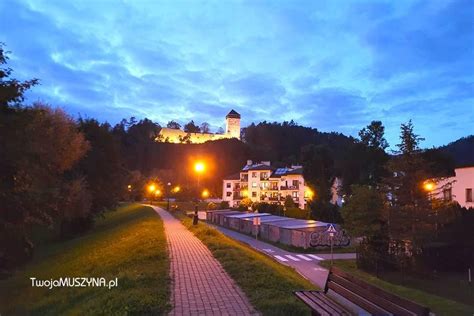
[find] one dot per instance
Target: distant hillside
(461, 151)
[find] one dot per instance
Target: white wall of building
(460, 185)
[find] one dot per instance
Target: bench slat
(316, 308)
(357, 299)
(403, 302)
(371, 296)
(334, 305)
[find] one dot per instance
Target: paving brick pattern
(200, 286)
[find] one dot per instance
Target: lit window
(254, 184)
(295, 193)
(469, 195)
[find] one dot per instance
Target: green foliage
(40, 147)
(295, 212)
(373, 135)
(289, 203)
(364, 212)
(325, 211)
(211, 206)
(191, 127)
(11, 90)
(103, 166)
(173, 125)
(223, 205)
(275, 209)
(128, 244)
(246, 203)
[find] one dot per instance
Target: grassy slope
(267, 284)
(439, 305)
(128, 244)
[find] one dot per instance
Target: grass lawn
(436, 294)
(128, 244)
(266, 283)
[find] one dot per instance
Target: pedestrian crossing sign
(331, 229)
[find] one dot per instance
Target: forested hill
(461, 151)
(282, 142)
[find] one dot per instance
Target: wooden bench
(369, 297)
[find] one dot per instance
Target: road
(305, 264)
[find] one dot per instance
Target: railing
(290, 187)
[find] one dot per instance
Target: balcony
(290, 187)
(236, 196)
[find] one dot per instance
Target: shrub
(223, 205)
(295, 212)
(211, 206)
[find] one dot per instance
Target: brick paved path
(200, 285)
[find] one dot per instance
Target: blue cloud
(327, 64)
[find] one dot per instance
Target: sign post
(331, 230)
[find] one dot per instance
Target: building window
(254, 194)
(254, 174)
(295, 183)
(469, 195)
(229, 193)
(447, 194)
(228, 185)
(295, 194)
(254, 184)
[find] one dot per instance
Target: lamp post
(199, 168)
(168, 196)
(151, 189)
(429, 187)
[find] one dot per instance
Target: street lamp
(205, 194)
(168, 195)
(429, 187)
(151, 189)
(199, 168)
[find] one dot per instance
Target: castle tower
(232, 124)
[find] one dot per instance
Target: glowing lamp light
(309, 193)
(151, 188)
(199, 167)
(429, 186)
(176, 189)
(157, 192)
(245, 193)
(205, 194)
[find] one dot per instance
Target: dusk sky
(332, 65)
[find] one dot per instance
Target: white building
(263, 183)
(458, 188)
(177, 136)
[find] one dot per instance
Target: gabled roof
(286, 171)
(233, 114)
(258, 167)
